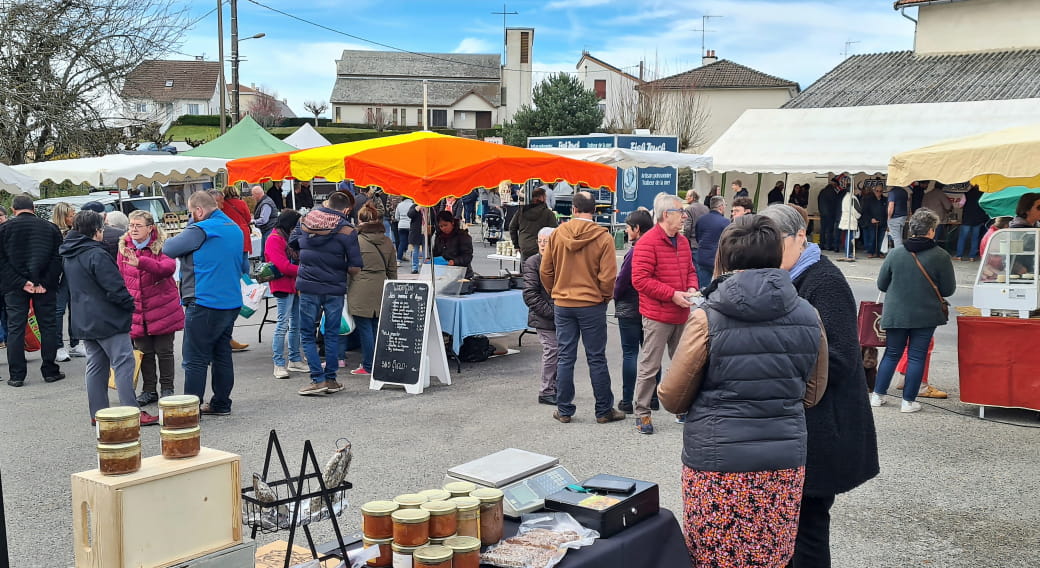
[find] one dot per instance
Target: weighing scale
(525, 478)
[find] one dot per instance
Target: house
(463, 91)
(615, 89)
(973, 26)
(161, 90)
(250, 96)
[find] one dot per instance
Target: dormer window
(169, 83)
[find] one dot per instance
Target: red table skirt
(999, 361)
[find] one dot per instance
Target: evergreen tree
(562, 107)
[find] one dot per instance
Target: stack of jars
(118, 432)
(181, 435)
(436, 528)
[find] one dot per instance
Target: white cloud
(571, 4)
(474, 45)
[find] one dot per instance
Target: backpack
(476, 348)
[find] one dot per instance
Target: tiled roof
(195, 80)
(586, 55)
(357, 91)
(419, 65)
(722, 74)
(901, 77)
(909, 3)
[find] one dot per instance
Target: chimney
(709, 58)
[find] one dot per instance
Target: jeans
(417, 255)
(366, 330)
(828, 226)
(969, 238)
(288, 322)
(850, 244)
(207, 345)
(899, 338)
(17, 303)
(631, 332)
(895, 229)
(872, 238)
(102, 354)
(402, 243)
(311, 308)
(704, 275)
(387, 230)
(156, 349)
(588, 323)
(62, 307)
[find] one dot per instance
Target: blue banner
(637, 188)
(649, 143)
(571, 142)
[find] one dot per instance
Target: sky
(798, 40)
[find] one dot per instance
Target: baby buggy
(492, 226)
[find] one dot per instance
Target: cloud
(474, 45)
(572, 4)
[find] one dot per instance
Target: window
(169, 83)
(338, 119)
(394, 114)
(601, 89)
(141, 107)
(438, 118)
(503, 96)
(193, 108)
(404, 118)
(418, 117)
(525, 47)
(603, 108)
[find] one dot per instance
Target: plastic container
(435, 494)
(491, 517)
(409, 500)
(375, 519)
(442, 518)
(467, 516)
(432, 556)
(118, 424)
(403, 555)
(182, 443)
(466, 551)
(411, 527)
(179, 411)
(386, 554)
(459, 488)
(119, 459)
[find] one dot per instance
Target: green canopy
(1002, 203)
(244, 140)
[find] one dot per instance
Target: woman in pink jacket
(284, 289)
(157, 304)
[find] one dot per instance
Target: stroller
(492, 226)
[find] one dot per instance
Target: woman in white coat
(849, 224)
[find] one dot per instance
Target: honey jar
(179, 411)
(386, 554)
(432, 556)
(411, 527)
(403, 555)
(409, 500)
(119, 459)
(375, 519)
(118, 424)
(466, 551)
(183, 443)
(435, 494)
(491, 518)
(459, 488)
(440, 540)
(467, 516)
(442, 518)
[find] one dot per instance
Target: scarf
(139, 245)
(810, 256)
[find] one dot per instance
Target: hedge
(201, 120)
(337, 138)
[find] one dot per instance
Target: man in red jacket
(664, 276)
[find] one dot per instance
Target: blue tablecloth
(481, 313)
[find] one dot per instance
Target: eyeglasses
(681, 212)
(543, 241)
(136, 226)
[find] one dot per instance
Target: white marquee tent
(306, 137)
(15, 182)
(121, 170)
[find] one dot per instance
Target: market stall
(122, 170)
(481, 313)
(14, 182)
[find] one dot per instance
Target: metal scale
(525, 478)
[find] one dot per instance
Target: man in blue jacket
(707, 231)
(329, 251)
(212, 263)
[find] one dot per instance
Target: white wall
(620, 91)
(516, 77)
(978, 25)
(724, 107)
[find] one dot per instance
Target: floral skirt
(741, 520)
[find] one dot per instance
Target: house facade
(972, 26)
(160, 91)
(615, 89)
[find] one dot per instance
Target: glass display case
(1006, 284)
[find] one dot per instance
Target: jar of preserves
(459, 488)
(118, 424)
(466, 551)
(432, 556)
(375, 519)
(403, 555)
(119, 459)
(386, 555)
(491, 518)
(435, 494)
(179, 411)
(411, 527)
(409, 500)
(442, 518)
(182, 443)
(467, 515)
(440, 540)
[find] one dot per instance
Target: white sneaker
(80, 350)
(62, 356)
(876, 400)
(910, 407)
(298, 367)
(281, 372)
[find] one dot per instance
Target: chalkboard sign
(405, 337)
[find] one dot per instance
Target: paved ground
(954, 491)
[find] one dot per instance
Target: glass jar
(375, 519)
(179, 411)
(466, 551)
(440, 540)
(409, 500)
(459, 488)
(182, 443)
(118, 424)
(442, 518)
(411, 527)
(432, 556)
(491, 519)
(119, 459)
(435, 494)
(403, 554)
(467, 516)
(386, 555)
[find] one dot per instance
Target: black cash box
(608, 512)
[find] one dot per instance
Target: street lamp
(237, 111)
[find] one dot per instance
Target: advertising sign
(637, 188)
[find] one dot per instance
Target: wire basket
(270, 516)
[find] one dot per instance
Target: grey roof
(721, 74)
(192, 80)
(422, 65)
(409, 91)
(901, 77)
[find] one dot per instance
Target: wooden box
(168, 512)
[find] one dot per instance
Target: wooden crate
(168, 512)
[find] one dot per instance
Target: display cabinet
(1006, 284)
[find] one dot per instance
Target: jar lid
(438, 507)
(404, 549)
(116, 413)
(435, 540)
(432, 553)
(410, 516)
(178, 400)
(105, 448)
(465, 503)
(487, 494)
(459, 487)
(376, 541)
(435, 494)
(413, 499)
(463, 543)
(379, 508)
(180, 433)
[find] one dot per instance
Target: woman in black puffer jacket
(540, 316)
(453, 243)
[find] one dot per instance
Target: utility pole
(220, 57)
(235, 111)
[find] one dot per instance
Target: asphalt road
(955, 491)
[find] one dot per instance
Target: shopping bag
(138, 355)
(266, 272)
(346, 322)
(884, 243)
(869, 324)
(32, 331)
(252, 296)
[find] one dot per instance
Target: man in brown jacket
(578, 270)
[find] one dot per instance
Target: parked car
(155, 205)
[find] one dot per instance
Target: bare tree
(378, 119)
(662, 108)
(265, 108)
(316, 108)
(62, 63)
